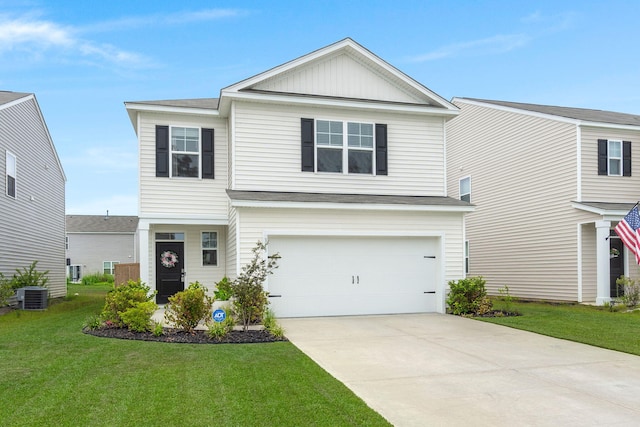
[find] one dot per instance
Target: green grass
(586, 324)
(51, 374)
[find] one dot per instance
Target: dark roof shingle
(101, 224)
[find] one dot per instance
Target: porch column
(143, 236)
(602, 262)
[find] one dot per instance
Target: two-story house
(32, 203)
(96, 243)
(336, 158)
(549, 185)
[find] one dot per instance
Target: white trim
(460, 187)
(619, 159)
(138, 134)
(186, 219)
(576, 122)
(347, 233)
(348, 206)
(10, 104)
(338, 103)
(579, 164)
(579, 263)
(232, 139)
(154, 108)
(444, 157)
(171, 151)
(238, 267)
(608, 215)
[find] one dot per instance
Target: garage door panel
(353, 275)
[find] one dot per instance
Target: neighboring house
(336, 158)
(549, 185)
(96, 243)
(32, 203)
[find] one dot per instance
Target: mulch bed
(179, 336)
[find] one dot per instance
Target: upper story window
(614, 157)
(465, 189)
(344, 147)
(11, 168)
(209, 248)
(340, 143)
(184, 152)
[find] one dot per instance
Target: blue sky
(83, 60)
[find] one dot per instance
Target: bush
(138, 318)
(631, 291)
(6, 290)
(223, 290)
(97, 278)
(218, 330)
(187, 308)
(30, 277)
(271, 324)
(126, 297)
(250, 299)
(468, 297)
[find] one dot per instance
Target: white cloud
(36, 36)
(487, 46)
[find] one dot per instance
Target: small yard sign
(219, 315)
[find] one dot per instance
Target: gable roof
(101, 224)
(358, 59)
(578, 114)
(9, 99)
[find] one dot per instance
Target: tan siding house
(33, 190)
(337, 159)
(544, 212)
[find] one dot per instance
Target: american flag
(627, 229)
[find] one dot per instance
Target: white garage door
(330, 276)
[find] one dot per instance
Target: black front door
(616, 264)
(169, 270)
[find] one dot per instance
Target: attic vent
(32, 298)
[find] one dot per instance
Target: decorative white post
(143, 237)
(602, 262)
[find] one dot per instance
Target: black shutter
(162, 151)
(208, 157)
(602, 157)
(306, 131)
(381, 149)
(626, 158)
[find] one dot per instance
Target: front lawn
(51, 374)
(586, 324)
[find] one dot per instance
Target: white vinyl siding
(90, 249)
(356, 80)
(267, 153)
(33, 224)
(194, 270)
(182, 196)
(257, 224)
(605, 188)
(524, 179)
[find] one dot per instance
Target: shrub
(223, 290)
(157, 329)
(138, 318)
(468, 296)
(250, 299)
(271, 324)
(125, 297)
(187, 308)
(218, 330)
(506, 298)
(6, 290)
(92, 322)
(631, 291)
(30, 277)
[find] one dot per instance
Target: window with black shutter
(185, 152)
(614, 157)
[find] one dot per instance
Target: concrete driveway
(433, 369)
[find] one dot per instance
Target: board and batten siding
(258, 221)
(267, 152)
(174, 196)
(523, 173)
(33, 224)
(340, 75)
(603, 188)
